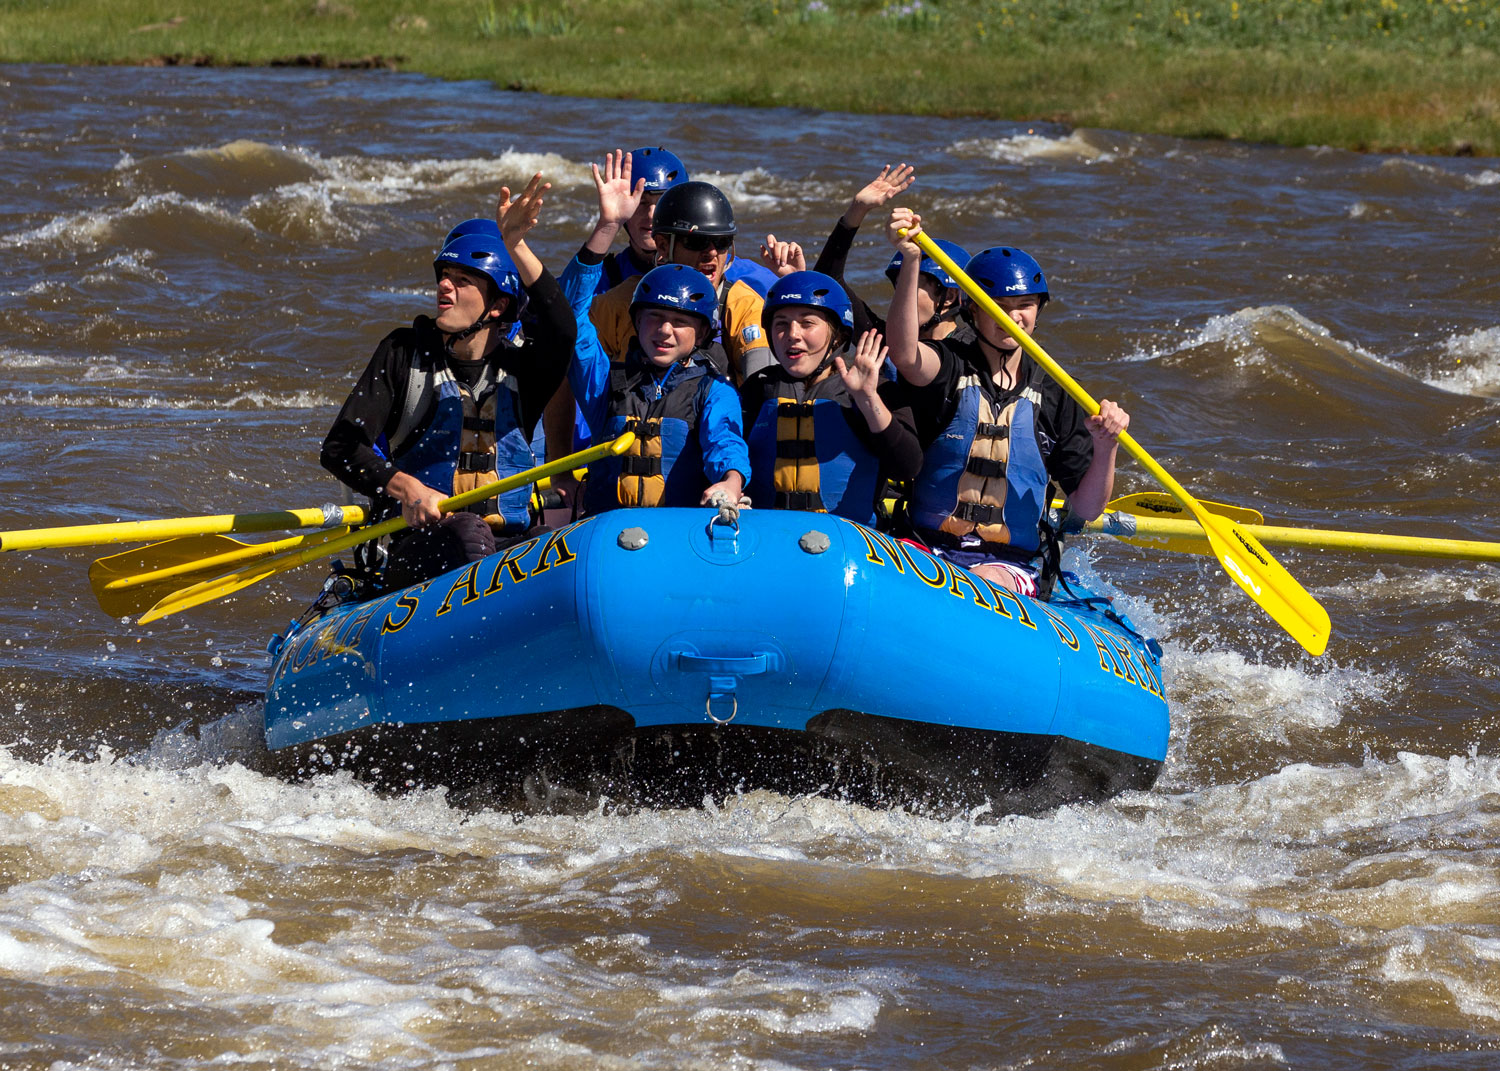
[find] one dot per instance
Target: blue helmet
(475, 245)
(956, 253)
(814, 290)
(679, 288)
(1003, 272)
(661, 169)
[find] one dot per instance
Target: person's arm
(891, 432)
(876, 193)
(1098, 483)
(726, 458)
(551, 332)
(349, 449)
(618, 200)
(915, 360)
(515, 219)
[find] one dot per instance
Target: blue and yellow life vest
(986, 472)
(664, 415)
(804, 453)
(468, 437)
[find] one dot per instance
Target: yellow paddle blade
(135, 580)
(83, 535)
(1243, 558)
(1184, 536)
(1156, 504)
(217, 588)
(1262, 577)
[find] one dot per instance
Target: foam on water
(254, 399)
(1030, 147)
(1470, 365)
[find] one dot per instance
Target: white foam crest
(1414, 957)
(1025, 148)
(91, 229)
(1268, 701)
(1471, 364)
(1486, 177)
(1433, 584)
(750, 192)
(133, 265)
(1239, 332)
(384, 180)
(263, 400)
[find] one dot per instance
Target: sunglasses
(697, 243)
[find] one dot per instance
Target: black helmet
(693, 208)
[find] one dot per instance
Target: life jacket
(471, 437)
(805, 454)
(664, 415)
(986, 472)
(738, 337)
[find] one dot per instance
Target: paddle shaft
(1052, 368)
(84, 535)
(1128, 526)
(1243, 557)
(208, 590)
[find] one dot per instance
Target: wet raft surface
(197, 262)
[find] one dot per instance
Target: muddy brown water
(195, 265)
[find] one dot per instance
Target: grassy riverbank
(1418, 75)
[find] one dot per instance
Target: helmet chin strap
(1004, 355)
(450, 341)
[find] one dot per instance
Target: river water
(197, 263)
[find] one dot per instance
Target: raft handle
(745, 666)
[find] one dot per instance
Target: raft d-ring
(708, 706)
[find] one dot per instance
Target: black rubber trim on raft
(566, 761)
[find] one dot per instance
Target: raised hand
(879, 190)
(618, 198)
(516, 218)
(884, 186)
(904, 219)
(862, 375)
(782, 257)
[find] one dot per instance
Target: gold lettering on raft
(872, 539)
(1106, 655)
(348, 637)
(963, 576)
(556, 541)
(1005, 593)
(469, 581)
(507, 563)
(1059, 626)
(939, 581)
(407, 601)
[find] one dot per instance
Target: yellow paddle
(135, 580)
(208, 590)
(1248, 563)
(1185, 537)
(83, 535)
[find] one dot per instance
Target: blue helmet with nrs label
(661, 169)
(476, 246)
(1004, 271)
(956, 253)
(811, 289)
(678, 288)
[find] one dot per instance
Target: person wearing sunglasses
(694, 226)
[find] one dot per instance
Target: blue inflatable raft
(657, 656)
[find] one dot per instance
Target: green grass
(1417, 75)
